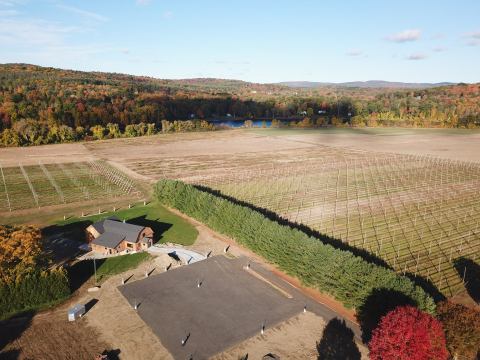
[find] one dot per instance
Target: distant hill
(363, 84)
(40, 105)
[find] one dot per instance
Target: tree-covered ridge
(55, 105)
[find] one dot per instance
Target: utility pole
(95, 270)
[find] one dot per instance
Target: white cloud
(84, 13)
(474, 42)
(354, 52)
(473, 38)
(167, 14)
(405, 36)
(473, 35)
(439, 49)
(417, 56)
(11, 2)
(27, 32)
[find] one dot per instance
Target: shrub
(34, 290)
(349, 278)
(407, 333)
(462, 329)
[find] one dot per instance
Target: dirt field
(295, 338)
(454, 144)
(50, 336)
(445, 143)
(117, 322)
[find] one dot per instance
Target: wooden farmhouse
(111, 236)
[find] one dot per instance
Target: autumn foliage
(462, 329)
(407, 333)
(26, 279)
(20, 252)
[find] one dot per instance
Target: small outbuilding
(111, 236)
(76, 312)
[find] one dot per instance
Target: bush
(34, 290)
(462, 329)
(407, 333)
(350, 279)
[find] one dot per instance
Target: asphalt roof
(129, 232)
(99, 224)
(109, 240)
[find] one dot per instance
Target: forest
(40, 105)
(27, 279)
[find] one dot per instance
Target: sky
(252, 40)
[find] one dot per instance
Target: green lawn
(167, 226)
(118, 264)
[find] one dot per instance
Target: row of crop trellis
(418, 213)
(24, 187)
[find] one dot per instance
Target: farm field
(55, 183)
(409, 196)
(420, 214)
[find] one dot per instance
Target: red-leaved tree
(407, 333)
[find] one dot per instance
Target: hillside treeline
(66, 105)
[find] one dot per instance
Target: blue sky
(261, 41)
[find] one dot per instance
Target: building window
(129, 245)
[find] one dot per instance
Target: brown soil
(45, 153)
(447, 146)
(224, 144)
(295, 338)
(50, 336)
(117, 322)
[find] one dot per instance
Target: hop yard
(419, 214)
(36, 186)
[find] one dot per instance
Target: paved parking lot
(230, 306)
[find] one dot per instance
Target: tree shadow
(469, 271)
(90, 304)
(74, 230)
(337, 342)
(158, 227)
(10, 354)
(336, 243)
(427, 285)
(81, 271)
(12, 329)
(377, 305)
(62, 241)
(112, 354)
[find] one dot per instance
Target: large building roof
(113, 232)
(130, 231)
(109, 240)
